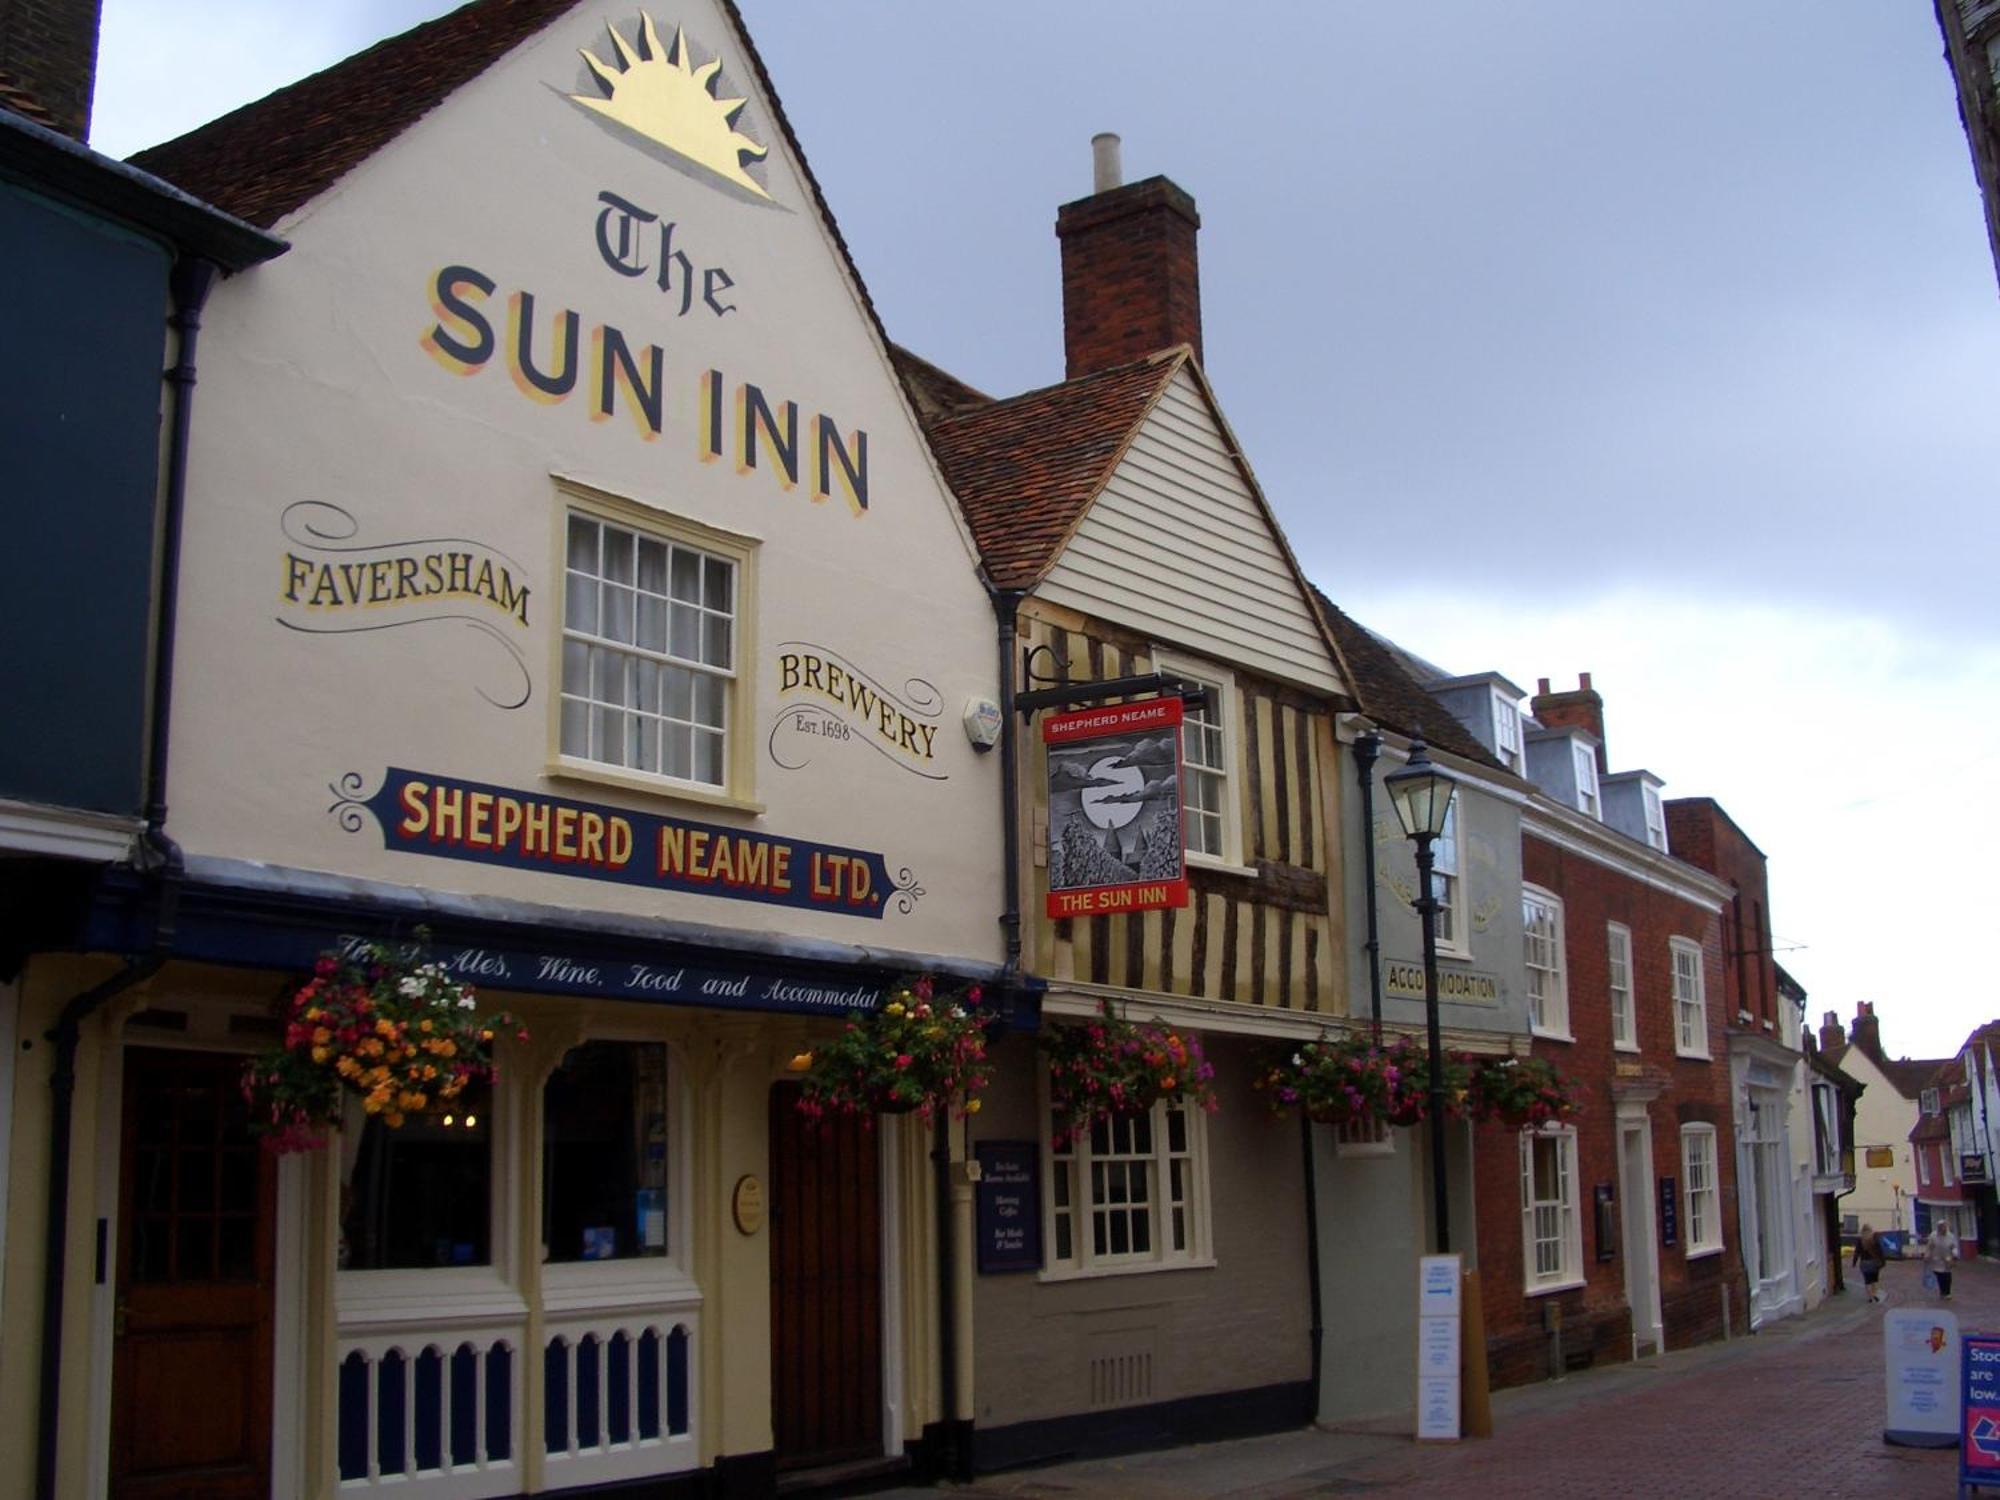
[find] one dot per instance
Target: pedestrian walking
(1940, 1250)
(1869, 1256)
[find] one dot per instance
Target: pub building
(558, 580)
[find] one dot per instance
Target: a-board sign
(1670, 1213)
(1920, 1368)
(1009, 1206)
(1439, 1305)
(1979, 1410)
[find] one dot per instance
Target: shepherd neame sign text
(424, 814)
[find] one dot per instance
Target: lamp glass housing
(1422, 794)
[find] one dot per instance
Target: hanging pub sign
(1115, 809)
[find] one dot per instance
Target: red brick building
(1616, 1234)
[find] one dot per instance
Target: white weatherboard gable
(1179, 548)
(318, 389)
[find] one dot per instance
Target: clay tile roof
(934, 392)
(1391, 696)
(1026, 469)
(264, 160)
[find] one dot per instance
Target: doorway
(826, 1286)
(191, 1333)
(1642, 1249)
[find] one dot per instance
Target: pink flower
(902, 1059)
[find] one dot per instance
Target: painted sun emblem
(672, 104)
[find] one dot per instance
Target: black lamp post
(1422, 794)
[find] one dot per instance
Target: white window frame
(1222, 683)
(1589, 796)
(1448, 885)
(1618, 961)
(1560, 1211)
(1690, 998)
(1826, 1131)
(1656, 816)
(1950, 1173)
(1922, 1152)
(1507, 748)
(1074, 1165)
(1551, 1017)
(737, 787)
(1927, 1101)
(1701, 1202)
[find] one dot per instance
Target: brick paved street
(1794, 1410)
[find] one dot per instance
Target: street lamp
(1422, 794)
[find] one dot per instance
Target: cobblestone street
(1794, 1410)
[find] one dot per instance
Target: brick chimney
(1581, 709)
(48, 61)
(1831, 1034)
(1867, 1030)
(1131, 283)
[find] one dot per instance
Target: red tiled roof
(274, 155)
(1026, 469)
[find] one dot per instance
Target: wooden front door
(826, 1287)
(191, 1359)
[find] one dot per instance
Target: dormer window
(1587, 799)
(1656, 818)
(1927, 1101)
(1507, 733)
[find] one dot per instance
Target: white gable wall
(317, 389)
(1178, 548)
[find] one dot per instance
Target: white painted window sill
(1625, 1047)
(1694, 1056)
(1550, 1036)
(1215, 864)
(1147, 1268)
(1555, 1286)
(1702, 1252)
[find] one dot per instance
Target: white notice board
(1439, 1309)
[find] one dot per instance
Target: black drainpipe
(1366, 748)
(189, 282)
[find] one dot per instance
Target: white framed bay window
(654, 654)
(1129, 1194)
(1701, 1191)
(1551, 1226)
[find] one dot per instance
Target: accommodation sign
(1406, 982)
(1115, 809)
(424, 814)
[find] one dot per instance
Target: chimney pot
(1107, 169)
(1541, 687)
(1583, 681)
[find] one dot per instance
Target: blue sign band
(492, 825)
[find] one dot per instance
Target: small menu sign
(1009, 1206)
(1670, 1213)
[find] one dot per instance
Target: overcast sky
(1659, 343)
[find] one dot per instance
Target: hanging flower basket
(1519, 1092)
(378, 1023)
(1111, 1066)
(1349, 1079)
(917, 1052)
